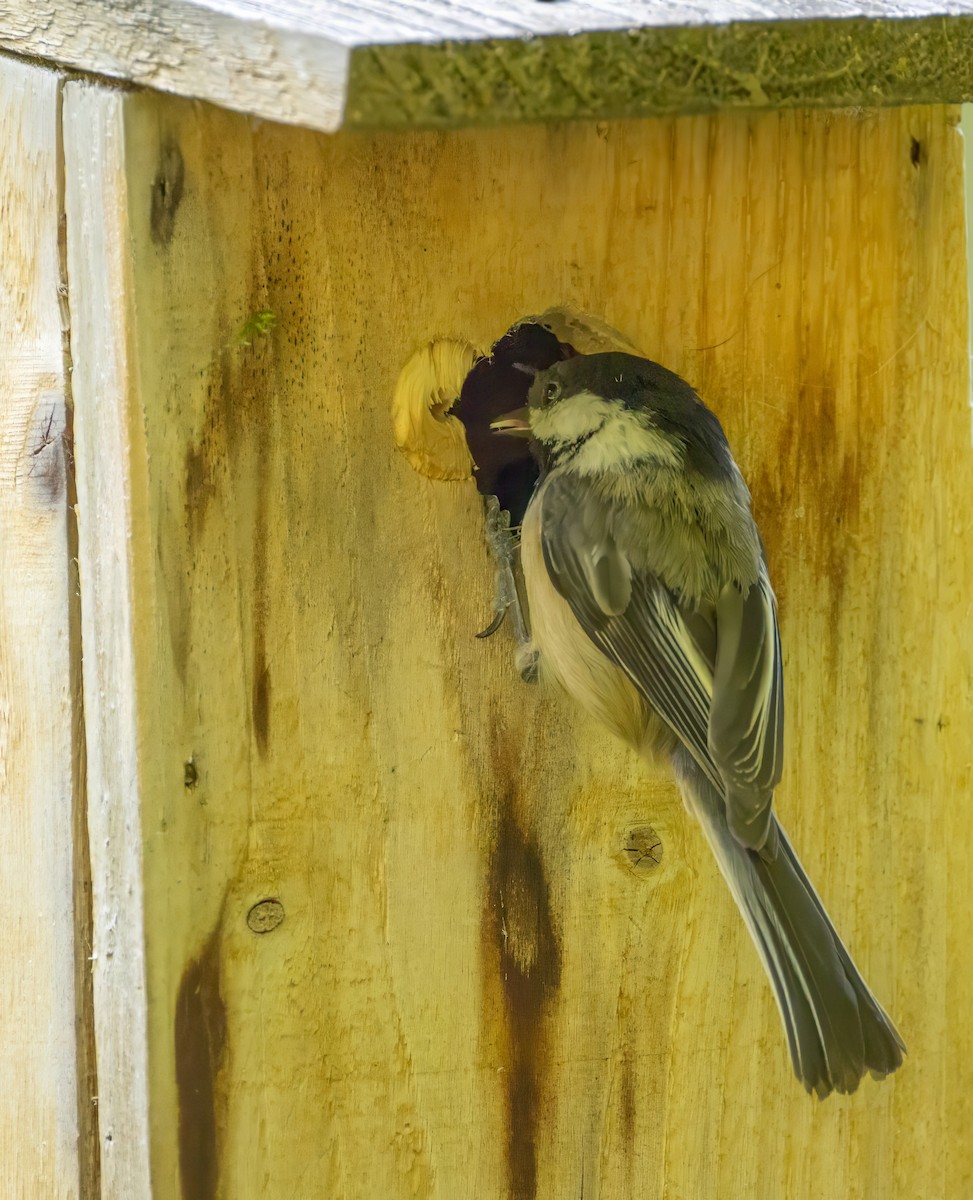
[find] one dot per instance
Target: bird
(649, 602)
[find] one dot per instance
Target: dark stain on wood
(520, 933)
(203, 477)
(260, 705)
(211, 451)
(926, 185)
(167, 191)
(830, 478)
(260, 700)
(175, 583)
(200, 488)
(819, 469)
(200, 1049)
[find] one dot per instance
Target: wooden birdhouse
(307, 893)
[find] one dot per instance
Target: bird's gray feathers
(836, 1029)
(710, 668)
(609, 575)
(646, 575)
(746, 727)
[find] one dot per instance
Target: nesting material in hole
(428, 386)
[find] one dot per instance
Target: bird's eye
(552, 391)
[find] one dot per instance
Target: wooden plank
(394, 64)
(393, 943)
(39, 1119)
(100, 299)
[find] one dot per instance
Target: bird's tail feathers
(836, 1029)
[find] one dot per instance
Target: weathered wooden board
(111, 500)
(383, 64)
(39, 704)
(472, 991)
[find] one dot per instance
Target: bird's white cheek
(571, 419)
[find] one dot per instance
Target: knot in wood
(167, 190)
(190, 775)
(642, 848)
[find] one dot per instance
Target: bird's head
(614, 412)
(611, 412)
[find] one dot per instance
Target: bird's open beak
(513, 424)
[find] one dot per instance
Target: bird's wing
(629, 614)
(746, 728)
(714, 677)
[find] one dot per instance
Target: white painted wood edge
(102, 383)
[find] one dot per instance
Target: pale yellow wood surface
(39, 1090)
(472, 993)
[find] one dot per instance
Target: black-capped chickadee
(649, 601)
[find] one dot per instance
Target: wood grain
(109, 494)
(39, 1118)
(477, 987)
(383, 64)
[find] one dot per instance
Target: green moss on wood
(663, 71)
(259, 324)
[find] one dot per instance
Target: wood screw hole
(265, 916)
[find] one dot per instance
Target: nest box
(307, 893)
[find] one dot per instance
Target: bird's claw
(494, 625)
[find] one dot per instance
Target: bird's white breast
(567, 654)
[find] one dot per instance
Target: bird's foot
(503, 544)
